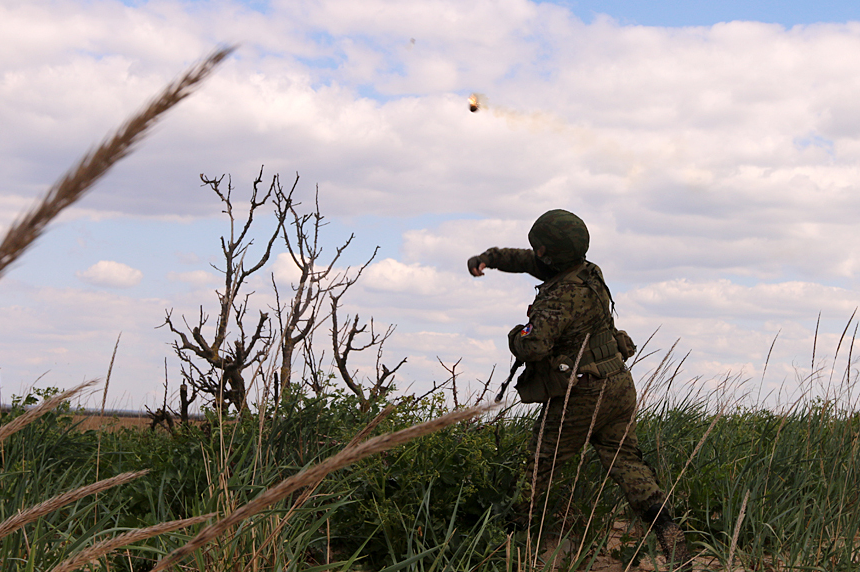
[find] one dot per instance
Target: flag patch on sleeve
(526, 331)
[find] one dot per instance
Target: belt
(586, 378)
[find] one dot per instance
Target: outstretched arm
(506, 260)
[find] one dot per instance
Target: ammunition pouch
(550, 377)
(602, 358)
(545, 379)
(626, 347)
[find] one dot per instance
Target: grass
(766, 490)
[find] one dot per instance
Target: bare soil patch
(605, 562)
(110, 423)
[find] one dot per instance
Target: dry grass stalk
(645, 391)
(839, 345)
(506, 544)
(570, 384)
(605, 480)
(23, 420)
(692, 456)
(99, 549)
(95, 164)
(313, 474)
(534, 485)
(362, 435)
(102, 413)
(737, 532)
(582, 461)
(110, 370)
(306, 494)
(13, 523)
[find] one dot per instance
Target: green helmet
(564, 236)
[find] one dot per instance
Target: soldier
(574, 301)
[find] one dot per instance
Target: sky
(711, 148)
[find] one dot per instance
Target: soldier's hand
(476, 266)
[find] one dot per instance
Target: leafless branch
(486, 386)
(298, 317)
(224, 383)
(344, 343)
(453, 372)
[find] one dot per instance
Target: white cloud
(285, 269)
(797, 300)
(716, 167)
(111, 274)
(389, 275)
(69, 335)
(454, 241)
(195, 277)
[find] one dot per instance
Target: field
(761, 489)
(326, 479)
(108, 423)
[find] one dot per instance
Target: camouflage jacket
(567, 306)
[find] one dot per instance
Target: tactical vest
(601, 358)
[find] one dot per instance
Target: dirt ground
(110, 423)
(606, 563)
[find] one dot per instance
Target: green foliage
(465, 477)
(799, 472)
(440, 502)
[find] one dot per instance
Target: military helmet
(563, 235)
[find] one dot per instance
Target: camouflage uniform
(567, 307)
(573, 301)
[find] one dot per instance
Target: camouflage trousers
(613, 438)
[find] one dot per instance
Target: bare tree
(161, 417)
(222, 378)
(344, 342)
(214, 367)
(299, 317)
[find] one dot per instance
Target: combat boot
(671, 539)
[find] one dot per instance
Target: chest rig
(602, 356)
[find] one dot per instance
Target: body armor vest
(602, 357)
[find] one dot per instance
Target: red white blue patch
(526, 331)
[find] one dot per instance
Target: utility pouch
(561, 370)
(545, 379)
(626, 347)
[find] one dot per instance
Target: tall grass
(302, 485)
(766, 490)
(771, 488)
(191, 475)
